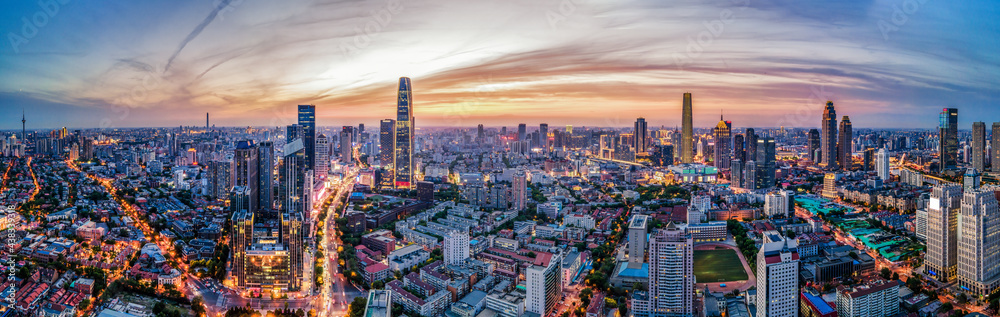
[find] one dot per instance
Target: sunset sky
(764, 63)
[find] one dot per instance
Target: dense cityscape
(537, 158)
(487, 221)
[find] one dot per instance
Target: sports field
(720, 265)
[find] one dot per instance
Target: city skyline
(246, 63)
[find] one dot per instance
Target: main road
(337, 292)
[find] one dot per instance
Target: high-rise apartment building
(307, 123)
(882, 164)
(322, 156)
(455, 247)
(637, 240)
(544, 285)
(828, 151)
(219, 178)
(347, 145)
(687, 137)
(813, 146)
(978, 155)
(723, 143)
(777, 279)
(845, 146)
(948, 142)
(404, 135)
(671, 272)
(387, 151)
(942, 231)
(519, 190)
(641, 135)
(979, 242)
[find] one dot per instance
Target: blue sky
(763, 63)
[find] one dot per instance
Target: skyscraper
(979, 242)
(307, 122)
(765, 164)
(751, 145)
(846, 144)
(687, 137)
(346, 145)
(739, 147)
(246, 172)
(641, 135)
(265, 174)
(544, 285)
(828, 154)
(637, 241)
(995, 147)
(404, 135)
(777, 279)
(978, 154)
(942, 233)
(322, 156)
(295, 180)
(813, 146)
(723, 147)
(522, 131)
(882, 164)
(948, 132)
(218, 179)
(480, 135)
(293, 237)
(543, 136)
(387, 143)
(671, 272)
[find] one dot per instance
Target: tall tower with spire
(24, 134)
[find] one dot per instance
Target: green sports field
(722, 265)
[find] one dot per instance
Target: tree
(357, 307)
(197, 305)
(886, 273)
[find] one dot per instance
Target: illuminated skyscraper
(641, 135)
(687, 137)
(948, 130)
(387, 143)
(828, 154)
(307, 122)
(751, 145)
(942, 231)
(322, 156)
(979, 146)
(246, 172)
(723, 143)
(404, 135)
(846, 144)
